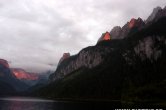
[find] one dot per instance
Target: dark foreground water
(22, 103)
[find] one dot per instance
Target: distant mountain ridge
(18, 79)
(8, 79)
(22, 74)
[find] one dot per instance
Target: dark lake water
(22, 103)
(25, 103)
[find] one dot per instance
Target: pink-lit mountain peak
(22, 74)
(19, 73)
(135, 23)
(132, 23)
(105, 36)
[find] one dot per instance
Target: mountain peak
(119, 33)
(4, 62)
(65, 56)
(115, 32)
(135, 23)
(105, 36)
(165, 8)
(155, 10)
(154, 13)
(132, 23)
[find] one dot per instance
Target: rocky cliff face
(86, 58)
(147, 49)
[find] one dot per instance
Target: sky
(34, 34)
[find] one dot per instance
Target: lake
(24, 103)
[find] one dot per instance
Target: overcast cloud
(35, 33)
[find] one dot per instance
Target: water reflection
(20, 103)
(25, 104)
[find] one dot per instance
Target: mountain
(65, 56)
(105, 36)
(8, 80)
(130, 27)
(6, 88)
(94, 55)
(121, 32)
(22, 74)
(157, 13)
(4, 63)
(87, 58)
(129, 67)
(16, 80)
(26, 77)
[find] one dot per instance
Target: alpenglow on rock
(105, 36)
(136, 23)
(119, 33)
(6, 76)
(22, 74)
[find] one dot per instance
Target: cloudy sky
(35, 33)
